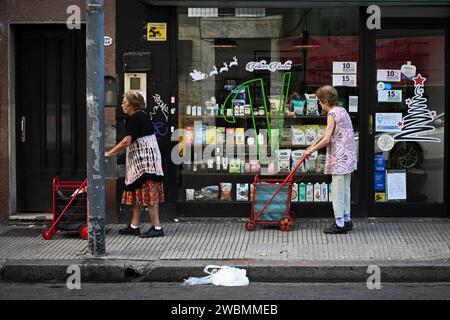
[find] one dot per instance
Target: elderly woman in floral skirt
(144, 174)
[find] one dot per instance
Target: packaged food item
(286, 136)
(188, 135)
(310, 163)
(235, 166)
(302, 192)
(199, 133)
(299, 107)
(294, 196)
(309, 192)
(211, 135)
(311, 134)
(312, 105)
(242, 192)
(220, 132)
(296, 157)
(274, 105)
(321, 160)
(210, 193)
(320, 131)
(230, 132)
(255, 166)
(324, 192)
(298, 135)
(239, 136)
(225, 191)
(317, 187)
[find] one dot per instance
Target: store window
(409, 116)
(246, 96)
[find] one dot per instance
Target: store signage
(344, 67)
(353, 104)
(396, 185)
(417, 121)
(385, 142)
(156, 31)
(408, 70)
(389, 95)
(388, 75)
(388, 122)
(108, 41)
(344, 80)
(272, 66)
(199, 75)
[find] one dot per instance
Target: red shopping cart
(69, 208)
(271, 201)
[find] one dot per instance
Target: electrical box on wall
(136, 82)
(136, 61)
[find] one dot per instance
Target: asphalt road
(255, 291)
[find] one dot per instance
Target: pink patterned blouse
(341, 151)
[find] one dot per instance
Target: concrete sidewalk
(405, 249)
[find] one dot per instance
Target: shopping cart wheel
(48, 234)
(286, 224)
(84, 232)
(250, 226)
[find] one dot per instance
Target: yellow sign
(156, 31)
(380, 197)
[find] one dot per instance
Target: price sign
(390, 96)
(389, 75)
(344, 67)
(344, 80)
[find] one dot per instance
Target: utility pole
(95, 95)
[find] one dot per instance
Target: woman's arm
(121, 145)
(325, 140)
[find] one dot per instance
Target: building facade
(230, 87)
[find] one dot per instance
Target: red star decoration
(400, 124)
(419, 80)
(433, 114)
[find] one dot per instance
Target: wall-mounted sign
(344, 67)
(108, 41)
(389, 75)
(344, 80)
(388, 122)
(389, 95)
(156, 31)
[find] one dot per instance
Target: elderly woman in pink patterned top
(341, 157)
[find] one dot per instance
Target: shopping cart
(271, 201)
(69, 208)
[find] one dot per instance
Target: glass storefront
(246, 99)
(409, 115)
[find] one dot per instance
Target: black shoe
(348, 225)
(130, 231)
(335, 229)
(153, 233)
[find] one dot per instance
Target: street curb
(111, 271)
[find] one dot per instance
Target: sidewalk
(405, 249)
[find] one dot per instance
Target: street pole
(95, 69)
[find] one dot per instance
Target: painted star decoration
(400, 124)
(433, 114)
(419, 80)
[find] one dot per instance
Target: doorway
(406, 126)
(50, 111)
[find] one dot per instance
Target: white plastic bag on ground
(221, 276)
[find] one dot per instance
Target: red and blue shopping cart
(271, 201)
(69, 208)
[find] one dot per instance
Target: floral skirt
(149, 194)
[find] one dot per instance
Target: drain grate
(22, 232)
